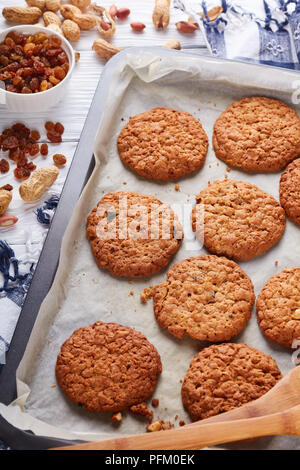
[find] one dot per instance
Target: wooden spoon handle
(204, 435)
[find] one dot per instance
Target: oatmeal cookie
(225, 376)
(278, 307)
(206, 297)
(290, 191)
(240, 220)
(257, 134)
(133, 235)
(107, 367)
(163, 144)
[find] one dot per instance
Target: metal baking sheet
(225, 81)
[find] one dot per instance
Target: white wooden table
(26, 237)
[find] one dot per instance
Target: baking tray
(78, 175)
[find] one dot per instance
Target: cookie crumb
(124, 182)
(176, 417)
(155, 402)
(181, 423)
(131, 292)
(154, 427)
(147, 294)
(53, 385)
(177, 187)
(142, 410)
(117, 417)
(276, 263)
(228, 169)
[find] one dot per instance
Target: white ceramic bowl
(29, 103)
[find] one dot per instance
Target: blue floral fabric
(261, 31)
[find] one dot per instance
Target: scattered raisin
(10, 142)
(7, 187)
(35, 135)
(54, 137)
(59, 128)
(44, 149)
(59, 159)
(49, 126)
(4, 166)
(21, 173)
(34, 150)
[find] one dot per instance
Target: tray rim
(78, 175)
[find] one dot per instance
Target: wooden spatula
(275, 413)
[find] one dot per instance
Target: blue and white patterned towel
(262, 31)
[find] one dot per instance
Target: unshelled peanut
(5, 198)
(36, 3)
(51, 18)
(104, 49)
(21, 15)
(33, 188)
(82, 4)
(161, 14)
(68, 11)
(104, 21)
(53, 5)
(55, 28)
(85, 21)
(71, 30)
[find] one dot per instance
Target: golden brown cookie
(290, 191)
(163, 144)
(257, 134)
(240, 220)
(278, 307)
(206, 297)
(133, 235)
(107, 367)
(225, 376)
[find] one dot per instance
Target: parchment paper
(82, 293)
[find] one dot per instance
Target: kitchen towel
(260, 31)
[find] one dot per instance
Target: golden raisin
(59, 159)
